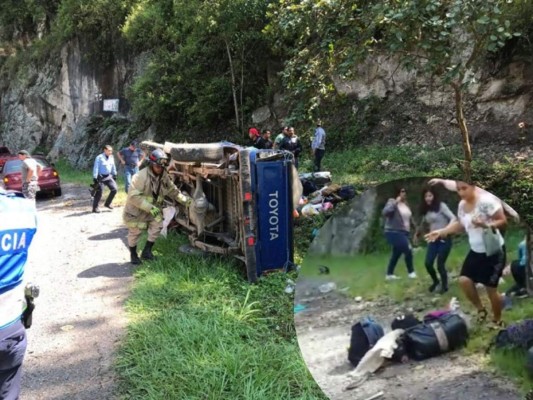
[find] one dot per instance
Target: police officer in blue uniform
(18, 223)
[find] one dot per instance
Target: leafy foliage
(195, 46)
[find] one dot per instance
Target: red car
(48, 179)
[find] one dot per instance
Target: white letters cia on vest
(13, 240)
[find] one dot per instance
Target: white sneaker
(412, 275)
(391, 277)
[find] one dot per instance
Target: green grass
(364, 166)
(364, 275)
(199, 331)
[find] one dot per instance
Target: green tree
(447, 39)
(444, 39)
(207, 60)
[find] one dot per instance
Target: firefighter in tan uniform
(145, 200)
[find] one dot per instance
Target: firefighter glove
(155, 212)
(183, 199)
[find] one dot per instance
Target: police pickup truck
(243, 201)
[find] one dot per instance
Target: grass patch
(199, 331)
(364, 275)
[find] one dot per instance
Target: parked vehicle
(5, 154)
(242, 201)
(48, 179)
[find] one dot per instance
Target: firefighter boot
(135, 260)
(147, 251)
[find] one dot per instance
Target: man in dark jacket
(292, 143)
(264, 141)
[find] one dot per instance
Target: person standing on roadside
(277, 141)
(292, 143)
(17, 229)
(30, 170)
(131, 158)
(104, 173)
(264, 141)
(436, 214)
(318, 146)
(398, 221)
(253, 134)
(477, 215)
(143, 210)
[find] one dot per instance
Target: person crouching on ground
(104, 173)
(476, 213)
(398, 220)
(518, 270)
(437, 215)
(145, 199)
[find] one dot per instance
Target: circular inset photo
(418, 289)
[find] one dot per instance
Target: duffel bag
(437, 336)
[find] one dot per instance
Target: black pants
(12, 348)
(319, 155)
(439, 250)
(519, 274)
(112, 185)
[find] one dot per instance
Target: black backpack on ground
(308, 187)
(365, 334)
(404, 321)
(436, 336)
(347, 192)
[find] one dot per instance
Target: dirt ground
(80, 261)
(324, 328)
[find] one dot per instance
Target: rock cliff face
(56, 107)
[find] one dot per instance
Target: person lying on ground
(398, 220)
(437, 215)
(476, 213)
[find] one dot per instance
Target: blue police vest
(18, 224)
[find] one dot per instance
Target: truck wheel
(211, 152)
(57, 192)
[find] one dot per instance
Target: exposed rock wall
(52, 107)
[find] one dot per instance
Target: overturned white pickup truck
(243, 201)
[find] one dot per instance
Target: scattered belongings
(299, 308)
(440, 331)
(323, 270)
(327, 287)
(365, 334)
(320, 194)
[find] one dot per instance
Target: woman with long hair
(437, 215)
(481, 217)
(398, 220)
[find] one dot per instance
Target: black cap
(133, 143)
(24, 153)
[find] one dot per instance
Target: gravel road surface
(80, 261)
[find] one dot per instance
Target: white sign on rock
(111, 105)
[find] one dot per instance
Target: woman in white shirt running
(477, 212)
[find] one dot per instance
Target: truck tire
(210, 152)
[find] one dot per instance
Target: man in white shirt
(30, 170)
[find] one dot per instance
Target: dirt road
(324, 336)
(80, 261)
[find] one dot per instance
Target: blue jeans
(128, 174)
(399, 241)
(439, 250)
